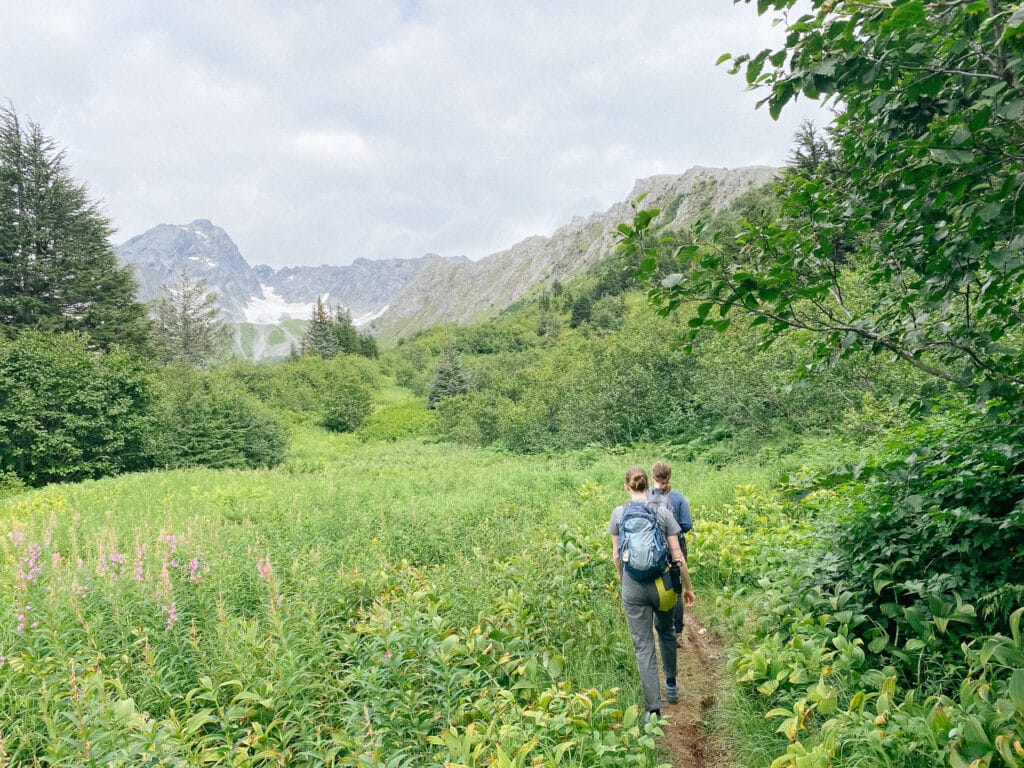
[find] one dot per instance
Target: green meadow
(365, 603)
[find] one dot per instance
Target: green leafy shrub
(942, 514)
(205, 420)
(399, 421)
(68, 412)
(348, 403)
(473, 418)
(335, 390)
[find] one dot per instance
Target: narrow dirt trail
(688, 742)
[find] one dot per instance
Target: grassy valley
(365, 603)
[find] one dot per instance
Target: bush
(311, 386)
(205, 420)
(399, 421)
(348, 402)
(69, 413)
(10, 484)
(473, 418)
(943, 512)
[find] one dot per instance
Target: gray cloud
(319, 132)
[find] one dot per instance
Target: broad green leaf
(670, 281)
(1015, 22)
(952, 156)
(1016, 689)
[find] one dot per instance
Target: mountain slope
(262, 295)
(395, 297)
(204, 250)
(468, 291)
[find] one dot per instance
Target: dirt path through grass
(688, 741)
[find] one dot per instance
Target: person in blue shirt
(661, 491)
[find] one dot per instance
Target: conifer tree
(346, 337)
(58, 271)
(328, 336)
(319, 338)
(450, 378)
(188, 322)
(581, 309)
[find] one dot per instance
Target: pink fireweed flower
(17, 537)
(387, 655)
(137, 571)
(30, 565)
(194, 574)
(117, 559)
(102, 565)
(266, 570)
(172, 613)
(23, 618)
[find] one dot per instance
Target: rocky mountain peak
(469, 291)
(395, 297)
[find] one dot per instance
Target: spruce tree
(188, 323)
(581, 309)
(58, 271)
(346, 337)
(450, 378)
(328, 336)
(319, 338)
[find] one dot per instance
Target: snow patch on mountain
(369, 317)
(272, 308)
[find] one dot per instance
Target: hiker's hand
(689, 598)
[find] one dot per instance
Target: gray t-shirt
(666, 520)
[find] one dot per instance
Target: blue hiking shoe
(672, 693)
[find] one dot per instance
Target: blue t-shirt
(676, 502)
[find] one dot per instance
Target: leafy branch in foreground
(907, 238)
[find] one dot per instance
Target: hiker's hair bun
(636, 479)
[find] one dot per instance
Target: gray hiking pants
(640, 603)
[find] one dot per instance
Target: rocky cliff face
(261, 295)
(466, 291)
(365, 287)
(394, 297)
(204, 250)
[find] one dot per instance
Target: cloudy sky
(319, 131)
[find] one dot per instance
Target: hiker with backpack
(645, 548)
(663, 492)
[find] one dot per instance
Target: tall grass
(366, 603)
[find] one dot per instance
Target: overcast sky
(319, 132)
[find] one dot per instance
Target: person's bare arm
(674, 549)
(615, 555)
(689, 598)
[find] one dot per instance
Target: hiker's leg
(667, 641)
(677, 616)
(640, 617)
